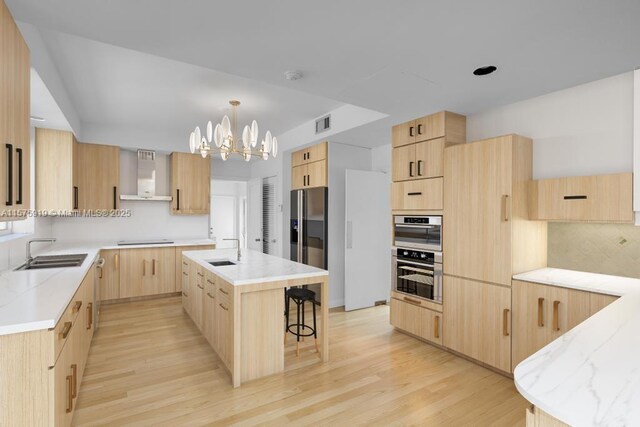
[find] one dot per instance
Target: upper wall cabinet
(310, 154)
(309, 167)
(75, 176)
(14, 119)
(190, 184)
(443, 124)
(601, 198)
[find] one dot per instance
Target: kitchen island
(239, 307)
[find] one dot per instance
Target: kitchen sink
(221, 263)
(53, 261)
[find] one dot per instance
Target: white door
(223, 220)
(254, 214)
(367, 239)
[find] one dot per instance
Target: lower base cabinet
(536, 417)
(477, 321)
(416, 320)
(147, 271)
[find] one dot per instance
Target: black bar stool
(300, 296)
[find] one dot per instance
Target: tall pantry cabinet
(14, 119)
(488, 238)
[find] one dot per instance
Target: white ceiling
(44, 105)
(401, 58)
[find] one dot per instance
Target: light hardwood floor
(149, 365)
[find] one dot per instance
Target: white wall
(636, 143)
(237, 190)
(584, 130)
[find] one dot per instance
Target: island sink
(221, 263)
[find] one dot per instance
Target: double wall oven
(417, 257)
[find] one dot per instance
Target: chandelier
(227, 143)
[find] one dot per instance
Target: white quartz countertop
(590, 375)
(36, 299)
(254, 266)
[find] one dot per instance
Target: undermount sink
(53, 261)
(221, 263)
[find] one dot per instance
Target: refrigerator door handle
(300, 226)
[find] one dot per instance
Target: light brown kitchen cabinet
(310, 154)
(477, 321)
(188, 270)
(409, 316)
(190, 184)
(224, 322)
(485, 208)
(543, 313)
(418, 161)
(209, 309)
(14, 119)
(98, 176)
(423, 194)
(109, 275)
(180, 261)
(599, 198)
(198, 297)
(310, 175)
(147, 271)
(442, 124)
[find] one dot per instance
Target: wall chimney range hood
(146, 179)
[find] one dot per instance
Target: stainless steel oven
(418, 232)
(417, 273)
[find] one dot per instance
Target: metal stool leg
(315, 327)
(303, 322)
(287, 300)
(298, 303)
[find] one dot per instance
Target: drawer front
(422, 194)
(416, 320)
(68, 321)
(225, 292)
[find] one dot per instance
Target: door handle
(419, 129)
(19, 197)
(178, 199)
(75, 197)
(153, 267)
(69, 394)
(410, 168)
(9, 201)
(411, 131)
(99, 272)
(506, 208)
(436, 327)
(116, 261)
(505, 322)
(74, 375)
(540, 312)
(115, 197)
(556, 320)
(89, 315)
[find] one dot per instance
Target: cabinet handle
(184, 263)
(412, 301)
(116, 261)
(436, 327)
(9, 201)
(506, 208)
(69, 394)
(415, 193)
(210, 296)
(308, 155)
(200, 287)
(74, 375)
(75, 197)
(19, 197)
(99, 272)
(410, 168)
(505, 322)
(76, 308)
(419, 129)
(582, 197)
(89, 315)
(411, 131)
(185, 294)
(115, 197)
(178, 199)
(419, 167)
(153, 267)
(223, 307)
(65, 330)
(210, 282)
(556, 320)
(540, 312)
(185, 273)
(223, 291)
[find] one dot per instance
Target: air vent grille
(146, 155)
(323, 124)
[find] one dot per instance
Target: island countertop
(253, 267)
(591, 374)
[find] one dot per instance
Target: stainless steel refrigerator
(309, 226)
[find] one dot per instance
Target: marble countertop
(254, 267)
(591, 374)
(36, 299)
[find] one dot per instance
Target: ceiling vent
(323, 124)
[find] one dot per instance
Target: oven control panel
(423, 256)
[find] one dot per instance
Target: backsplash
(597, 248)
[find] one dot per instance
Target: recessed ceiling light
(38, 119)
(293, 75)
(483, 71)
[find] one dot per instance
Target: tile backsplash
(597, 248)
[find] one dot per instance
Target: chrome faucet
(237, 240)
(43, 240)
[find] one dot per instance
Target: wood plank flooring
(149, 365)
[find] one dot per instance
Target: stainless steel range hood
(146, 179)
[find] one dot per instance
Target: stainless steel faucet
(237, 240)
(43, 240)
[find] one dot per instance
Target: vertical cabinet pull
(304, 180)
(410, 168)
(74, 375)
(89, 315)
(419, 129)
(153, 267)
(116, 261)
(69, 394)
(178, 199)
(506, 208)
(75, 197)
(411, 131)
(308, 179)
(540, 312)
(556, 321)
(9, 201)
(419, 167)
(505, 322)
(99, 272)
(115, 197)
(19, 196)
(436, 327)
